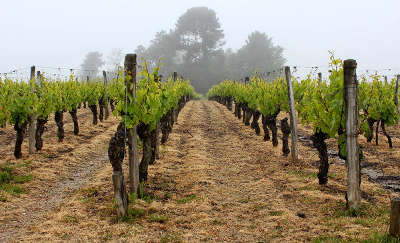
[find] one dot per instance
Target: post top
(350, 63)
(287, 68)
(130, 58)
(396, 199)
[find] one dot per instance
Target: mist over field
(262, 35)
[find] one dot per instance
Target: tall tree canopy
(92, 64)
(259, 53)
(194, 48)
(200, 34)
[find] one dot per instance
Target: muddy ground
(216, 181)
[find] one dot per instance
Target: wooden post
(175, 76)
(319, 77)
(246, 80)
(130, 71)
(293, 121)
(158, 129)
(394, 229)
(385, 77)
(106, 101)
(352, 158)
(396, 95)
(32, 120)
(39, 78)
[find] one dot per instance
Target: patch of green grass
(22, 178)
(352, 212)
(108, 236)
(11, 189)
(275, 213)
(158, 218)
(3, 198)
(171, 238)
(8, 179)
(363, 222)
(333, 175)
(381, 238)
(305, 174)
(142, 194)
(187, 199)
(25, 163)
(132, 215)
(71, 219)
(381, 192)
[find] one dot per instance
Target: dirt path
(217, 181)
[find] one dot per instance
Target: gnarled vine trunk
(370, 135)
(20, 129)
(318, 139)
(243, 106)
(93, 108)
(164, 128)
(101, 108)
(285, 136)
(116, 154)
(376, 133)
(386, 134)
(74, 117)
(40, 125)
(265, 128)
(229, 105)
(248, 116)
(271, 122)
(59, 116)
(112, 105)
(145, 135)
(254, 124)
(153, 135)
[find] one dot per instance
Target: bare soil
(216, 181)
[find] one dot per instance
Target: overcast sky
(58, 33)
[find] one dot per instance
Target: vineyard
(143, 159)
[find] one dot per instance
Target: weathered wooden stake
(396, 96)
(352, 158)
(158, 130)
(32, 121)
(319, 77)
(106, 100)
(39, 78)
(130, 71)
(246, 80)
(293, 120)
(175, 76)
(394, 229)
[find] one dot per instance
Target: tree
(114, 60)
(200, 34)
(259, 53)
(92, 64)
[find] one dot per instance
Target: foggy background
(53, 34)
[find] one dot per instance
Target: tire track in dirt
(36, 208)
